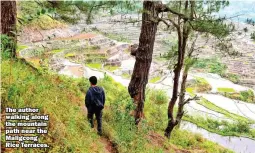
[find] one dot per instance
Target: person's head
(93, 80)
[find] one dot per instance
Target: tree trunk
(143, 55)
(8, 21)
(182, 41)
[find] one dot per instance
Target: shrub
(198, 85)
(212, 65)
(6, 45)
(232, 77)
(246, 96)
(253, 35)
(45, 22)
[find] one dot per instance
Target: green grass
(246, 96)
(218, 109)
(232, 77)
(69, 55)
(59, 97)
(94, 65)
(238, 128)
(113, 36)
(126, 76)
(199, 85)
(21, 47)
(225, 90)
(111, 68)
(56, 51)
(45, 22)
(63, 98)
(155, 79)
(212, 65)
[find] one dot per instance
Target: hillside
(63, 99)
(187, 65)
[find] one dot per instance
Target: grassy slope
(62, 99)
(57, 96)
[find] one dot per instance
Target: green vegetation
(253, 35)
(155, 79)
(70, 130)
(211, 65)
(232, 77)
(45, 22)
(56, 51)
(199, 85)
(94, 65)
(238, 128)
(117, 37)
(218, 109)
(69, 55)
(246, 96)
(156, 118)
(113, 36)
(54, 95)
(111, 68)
(225, 90)
(20, 47)
(126, 76)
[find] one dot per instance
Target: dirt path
(110, 147)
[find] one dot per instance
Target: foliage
(194, 141)
(56, 51)
(61, 94)
(45, 22)
(238, 128)
(117, 37)
(253, 35)
(155, 79)
(6, 44)
(94, 65)
(126, 75)
(246, 96)
(111, 68)
(212, 65)
(36, 16)
(232, 77)
(21, 47)
(218, 109)
(199, 85)
(56, 96)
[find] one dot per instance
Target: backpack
(97, 103)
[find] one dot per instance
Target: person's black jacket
(92, 93)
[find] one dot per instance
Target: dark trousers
(98, 114)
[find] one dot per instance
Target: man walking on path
(94, 101)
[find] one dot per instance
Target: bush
(45, 22)
(198, 85)
(212, 65)
(253, 35)
(6, 46)
(246, 96)
(232, 77)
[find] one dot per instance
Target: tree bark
(182, 42)
(143, 55)
(8, 21)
